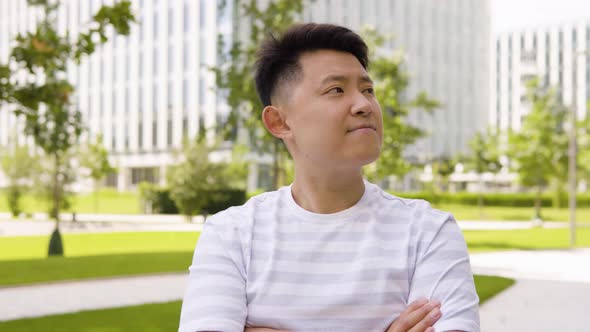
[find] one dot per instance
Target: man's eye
(335, 90)
(370, 91)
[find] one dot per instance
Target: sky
(514, 14)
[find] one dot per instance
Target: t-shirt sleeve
(215, 298)
(443, 272)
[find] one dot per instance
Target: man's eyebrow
(342, 78)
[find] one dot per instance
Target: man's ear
(275, 122)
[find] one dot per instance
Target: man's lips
(365, 126)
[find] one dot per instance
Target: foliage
(391, 82)
(55, 244)
(539, 148)
(485, 153)
(584, 148)
(442, 168)
(484, 157)
(95, 158)
(43, 99)
(19, 166)
(156, 199)
(491, 199)
(194, 179)
(234, 76)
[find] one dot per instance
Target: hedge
(498, 199)
(160, 201)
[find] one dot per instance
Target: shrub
(210, 202)
(497, 199)
(14, 195)
(156, 199)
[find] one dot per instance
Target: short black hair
(278, 59)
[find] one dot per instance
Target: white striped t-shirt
(270, 263)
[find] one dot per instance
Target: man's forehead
(329, 65)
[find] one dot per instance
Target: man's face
(332, 112)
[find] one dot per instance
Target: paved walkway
(538, 306)
(64, 297)
(39, 226)
(552, 292)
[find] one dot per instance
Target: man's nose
(361, 105)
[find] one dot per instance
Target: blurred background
(124, 124)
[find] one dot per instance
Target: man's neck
(327, 194)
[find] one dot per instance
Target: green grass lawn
(34, 247)
(162, 316)
(22, 259)
(109, 201)
(488, 286)
(525, 239)
(143, 318)
(467, 212)
(21, 272)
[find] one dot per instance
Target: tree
(391, 82)
(195, 177)
(484, 157)
(539, 148)
(19, 166)
(234, 76)
(45, 103)
(584, 148)
(95, 158)
(442, 168)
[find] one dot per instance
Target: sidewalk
(135, 223)
(540, 300)
(63, 297)
(538, 306)
(32, 228)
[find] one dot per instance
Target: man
(330, 252)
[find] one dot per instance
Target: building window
(155, 22)
(126, 98)
(185, 56)
(155, 61)
(170, 59)
(201, 92)
(128, 67)
(140, 134)
(126, 129)
(170, 22)
(185, 96)
(169, 131)
(202, 13)
(154, 134)
(140, 66)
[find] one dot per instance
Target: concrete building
(145, 92)
(446, 44)
(557, 54)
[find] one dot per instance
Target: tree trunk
(55, 241)
(96, 187)
(56, 189)
(538, 203)
(480, 198)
